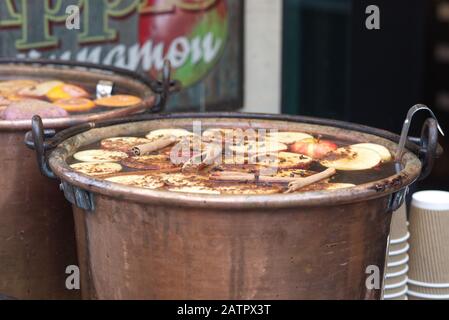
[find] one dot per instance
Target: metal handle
(39, 145)
(164, 87)
(429, 148)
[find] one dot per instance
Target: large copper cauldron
(144, 244)
(37, 239)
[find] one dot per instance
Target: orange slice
(75, 104)
(66, 91)
(118, 101)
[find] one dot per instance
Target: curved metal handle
(39, 145)
(43, 141)
(164, 88)
(428, 143)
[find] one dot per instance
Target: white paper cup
(397, 271)
(398, 249)
(396, 293)
(400, 240)
(429, 291)
(398, 228)
(413, 295)
(396, 261)
(429, 241)
(395, 282)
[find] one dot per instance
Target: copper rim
(373, 190)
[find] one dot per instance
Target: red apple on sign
(191, 34)
(313, 148)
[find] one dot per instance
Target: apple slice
(262, 147)
(289, 137)
(150, 162)
(381, 150)
(138, 180)
(313, 147)
(179, 133)
(66, 91)
(351, 159)
(99, 155)
(326, 186)
(96, 169)
(118, 101)
(124, 144)
(285, 160)
(39, 90)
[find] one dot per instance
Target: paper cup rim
(396, 295)
(398, 263)
(428, 284)
(399, 273)
(399, 252)
(431, 200)
(427, 296)
(396, 285)
(400, 240)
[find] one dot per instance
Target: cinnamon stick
(304, 182)
(207, 158)
(156, 145)
(247, 177)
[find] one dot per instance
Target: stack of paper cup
(429, 242)
(395, 287)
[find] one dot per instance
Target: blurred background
(307, 57)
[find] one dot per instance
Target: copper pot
(37, 240)
(144, 244)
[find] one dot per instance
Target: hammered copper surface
(134, 251)
(37, 241)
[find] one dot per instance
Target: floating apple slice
(150, 162)
(96, 169)
(118, 101)
(66, 91)
(75, 104)
(326, 186)
(351, 159)
(138, 180)
(11, 87)
(100, 156)
(289, 137)
(337, 186)
(381, 150)
(313, 147)
(179, 133)
(262, 147)
(39, 90)
(124, 144)
(285, 160)
(184, 180)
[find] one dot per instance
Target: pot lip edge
(147, 95)
(359, 193)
